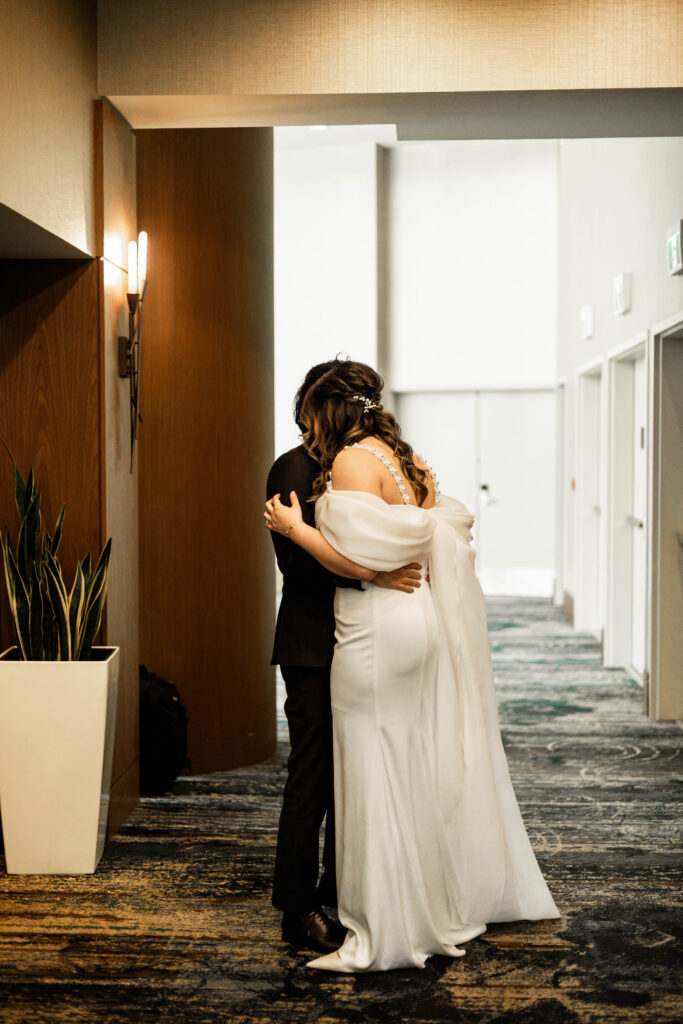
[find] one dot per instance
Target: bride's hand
(281, 518)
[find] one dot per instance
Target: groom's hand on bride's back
(407, 578)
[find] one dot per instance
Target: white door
(560, 496)
(637, 518)
(495, 452)
(588, 607)
(517, 492)
(441, 427)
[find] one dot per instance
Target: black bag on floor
(163, 733)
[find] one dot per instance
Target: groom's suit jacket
(304, 634)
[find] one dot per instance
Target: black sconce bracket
(129, 361)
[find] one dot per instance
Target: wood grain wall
(50, 400)
(207, 583)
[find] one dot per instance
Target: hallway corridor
(176, 925)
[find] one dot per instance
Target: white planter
(57, 722)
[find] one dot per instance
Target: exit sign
(674, 256)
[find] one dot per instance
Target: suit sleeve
(291, 559)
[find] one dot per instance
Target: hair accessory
(368, 404)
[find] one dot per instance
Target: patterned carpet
(176, 925)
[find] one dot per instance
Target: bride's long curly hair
(331, 417)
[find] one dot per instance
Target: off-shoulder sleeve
(372, 533)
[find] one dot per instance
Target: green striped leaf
(60, 607)
(20, 603)
(103, 560)
(50, 639)
(36, 618)
(98, 578)
(76, 608)
(87, 568)
(20, 492)
(9, 581)
(54, 541)
(92, 616)
(50, 623)
(52, 564)
(91, 625)
(30, 489)
(22, 497)
(29, 535)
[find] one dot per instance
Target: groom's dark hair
(313, 375)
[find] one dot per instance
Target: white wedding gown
(431, 845)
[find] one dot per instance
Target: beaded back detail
(395, 473)
(435, 480)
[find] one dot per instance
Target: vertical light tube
(142, 259)
(132, 268)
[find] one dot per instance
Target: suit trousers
(308, 796)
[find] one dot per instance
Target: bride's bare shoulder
(355, 469)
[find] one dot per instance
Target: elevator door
(588, 610)
(637, 519)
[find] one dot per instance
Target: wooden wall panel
(205, 198)
(49, 400)
(115, 224)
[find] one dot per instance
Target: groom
(304, 642)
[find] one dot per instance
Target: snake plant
(51, 623)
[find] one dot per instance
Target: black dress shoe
(314, 930)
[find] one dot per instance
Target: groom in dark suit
(304, 642)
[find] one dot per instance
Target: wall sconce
(130, 347)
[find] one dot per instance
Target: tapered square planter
(57, 723)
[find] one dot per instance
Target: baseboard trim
(125, 796)
(518, 582)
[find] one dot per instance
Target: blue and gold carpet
(176, 925)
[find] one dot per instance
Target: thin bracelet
(290, 528)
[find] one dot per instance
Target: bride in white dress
(431, 845)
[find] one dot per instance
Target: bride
(431, 845)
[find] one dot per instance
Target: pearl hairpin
(368, 404)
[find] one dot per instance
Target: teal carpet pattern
(176, 925)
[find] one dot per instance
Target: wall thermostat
(621, 293)
(674, 256)
(586, 322)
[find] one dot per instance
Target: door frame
(619, 575)
(663, 696)
(594, 368)
(561, 490)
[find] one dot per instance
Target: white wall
(472, 315)
(454, 293)
(472, 299)
(325, 265)
(617, 197)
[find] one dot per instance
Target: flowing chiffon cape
(494, 872)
